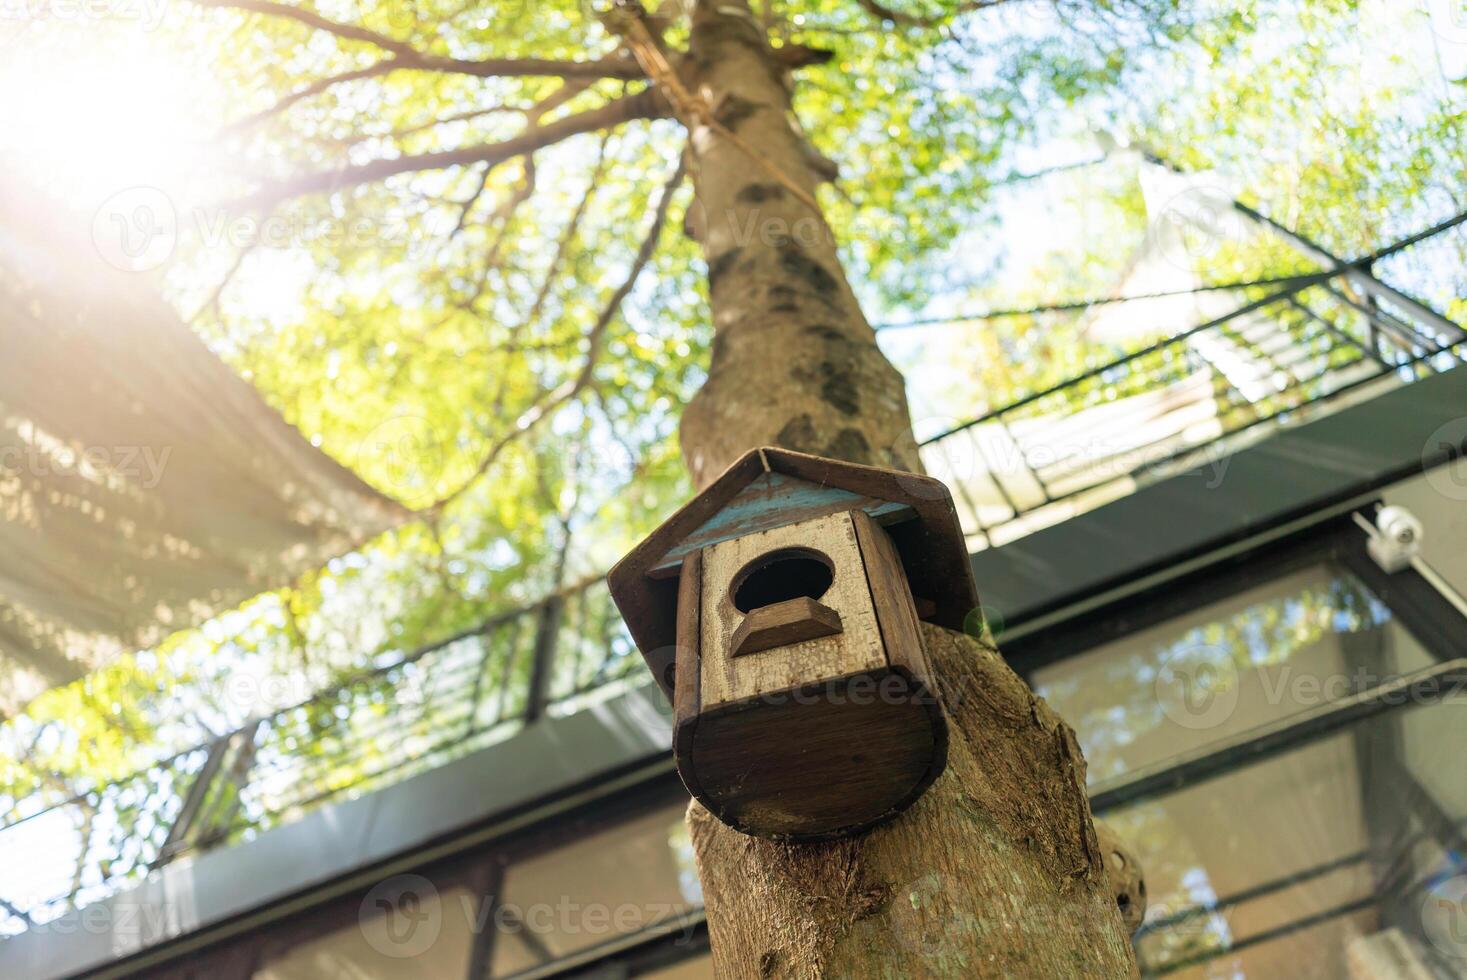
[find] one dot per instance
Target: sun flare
(101, 107)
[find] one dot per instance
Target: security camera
(1396, 538)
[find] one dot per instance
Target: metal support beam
(547, 630)
(1361, 278)
(1357, 273)
(193, 801)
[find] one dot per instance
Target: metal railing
(1280, 355)
(1286, 352)
(442, 701)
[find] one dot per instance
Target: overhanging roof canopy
(144, 486)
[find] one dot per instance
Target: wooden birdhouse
(779, 611)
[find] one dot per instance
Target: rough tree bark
(996, 872)
(795, 363)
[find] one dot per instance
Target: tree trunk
(795, 364)
(996, 871)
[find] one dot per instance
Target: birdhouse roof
(768, 488)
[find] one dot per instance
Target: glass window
(634, 877)
(583, 899)
(1301, 864)
(1264, 654)
(699, 968)
(422, 933)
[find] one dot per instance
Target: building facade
(1273, 708)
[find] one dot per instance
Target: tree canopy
(445, 241)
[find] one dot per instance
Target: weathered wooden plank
(857, 648)
(784, 623)
(687, 680)
(686, 683)
(891, 597)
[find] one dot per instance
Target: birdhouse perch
(779, 611)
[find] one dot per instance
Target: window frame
(1426, 612)
(1418, 605)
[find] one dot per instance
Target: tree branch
(407, 56)
(885, 13)
(358, 139)
(468, 204)
(464, 116)
(597, 334)
(504, 213)
(567, 236)
(648, 104)
(792, 55)
(313, 89)
(571, 88)
(549, 401)
(18, 912)
(212, 303)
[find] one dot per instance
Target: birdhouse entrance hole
(788, 596)
(790, 573)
